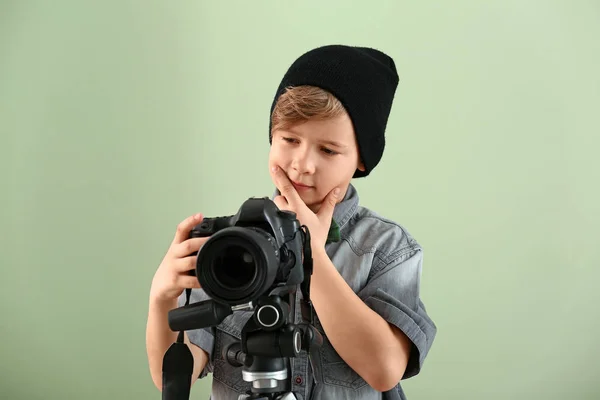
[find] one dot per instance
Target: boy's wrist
(320, 259)
(162, 305)
(318, 252)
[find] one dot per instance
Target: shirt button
(299, 380)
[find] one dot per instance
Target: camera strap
(306, 304)
(178, 367)
(306, 307)
(332, 236)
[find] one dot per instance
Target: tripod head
(268, 341)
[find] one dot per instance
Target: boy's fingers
(183, 229)
(185, 264)
(188, 282)
(281, 202)
(327, 207)
(285, 186)
(188, 247)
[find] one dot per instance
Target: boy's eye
(325, 150)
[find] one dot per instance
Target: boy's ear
(361, 166)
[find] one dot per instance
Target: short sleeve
(392, 291)
(203, 338)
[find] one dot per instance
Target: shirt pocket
(228, 332)
(335, 371)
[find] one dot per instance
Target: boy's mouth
(300, 186)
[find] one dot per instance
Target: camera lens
(234, 268)
(238, 265)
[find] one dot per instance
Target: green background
(119, 119)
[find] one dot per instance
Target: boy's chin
(312, 202)
(308, 198)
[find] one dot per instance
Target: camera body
(253, 253)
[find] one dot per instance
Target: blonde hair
(302, 103)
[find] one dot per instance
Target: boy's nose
(303, 163)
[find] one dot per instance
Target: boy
(327, 127)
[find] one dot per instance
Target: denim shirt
(382, 264)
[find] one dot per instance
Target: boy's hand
(172, 275)
(318, 224)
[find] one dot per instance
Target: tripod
(268, 341)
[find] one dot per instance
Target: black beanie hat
(363, 79)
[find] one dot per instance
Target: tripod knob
(268, 316)
(290, 341)
(271, 313)
(312, 337)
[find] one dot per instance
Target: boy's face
(317, 156)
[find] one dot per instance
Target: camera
(255, 260)
(251, 253)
